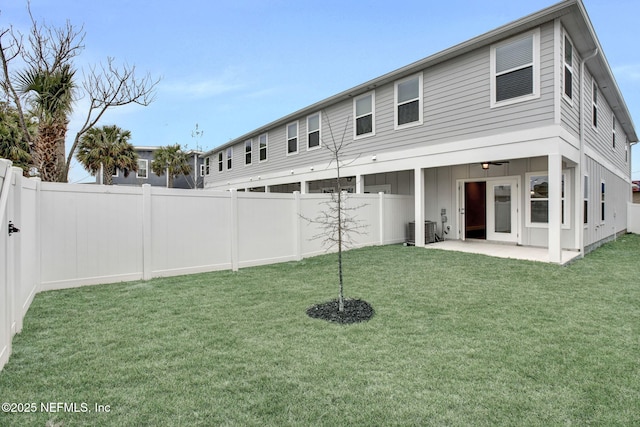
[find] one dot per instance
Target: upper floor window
(262, 141)
(613, 136)
(143, 169)
(207, 165)
(363, 112)
(408, 101)
(568, 68)
(220, 162)
(515, 73)
(248, 148)
(594, 101)
(292, 138)
(229, 157)
(313, 131)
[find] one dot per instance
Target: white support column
(359, 184)
(555, 208)
(419, 206)
(304, 187)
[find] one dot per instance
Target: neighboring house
(520, 135)
(146, 176)
(635, 187)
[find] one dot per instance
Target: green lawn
(457, 339)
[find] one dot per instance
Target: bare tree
(337, 221)
(47, 52)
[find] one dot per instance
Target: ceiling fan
(485, 165)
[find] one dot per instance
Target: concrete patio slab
(502, 250)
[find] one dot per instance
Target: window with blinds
(514, 65)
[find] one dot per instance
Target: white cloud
(230, 80)
(628, 72)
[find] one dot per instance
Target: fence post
(298, 225)
(16, 309)
(381, 216)
(147, 258)
(234, 229)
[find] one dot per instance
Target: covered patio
(501, 250)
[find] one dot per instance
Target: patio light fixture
(485, 165)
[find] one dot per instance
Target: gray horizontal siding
(456, 106)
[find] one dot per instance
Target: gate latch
(13, 229)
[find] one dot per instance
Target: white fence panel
(5, 275)
(90, 235)
(398, 212)
(266, 228)
(189, 231)
(633, 218)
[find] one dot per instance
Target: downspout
(580, 176)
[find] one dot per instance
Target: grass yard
(457, 339)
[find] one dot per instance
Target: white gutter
(580, 226)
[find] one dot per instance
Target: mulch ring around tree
(355, 310)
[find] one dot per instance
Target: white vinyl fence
(633, 218)
(75, 235)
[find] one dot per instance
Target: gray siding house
(520, 135)
(146, 176)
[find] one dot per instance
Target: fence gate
(7, 262)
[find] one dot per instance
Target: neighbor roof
(575, 19)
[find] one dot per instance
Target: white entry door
(502, 210)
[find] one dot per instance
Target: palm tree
(172, 161)
(107, 148)
(52, 101)
(12, 141)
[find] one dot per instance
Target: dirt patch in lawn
(355, 310)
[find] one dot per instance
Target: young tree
(337, 222)
(172, 161)
(107, 149)
(44, 82)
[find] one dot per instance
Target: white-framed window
(202, 169)
(538, 200)
(602, 201)
(568, 69)
(594, 103)
(229, 158)
(207, 165)
(585, 200)
(515, 69)
(220, 161)
(364, 115)
(143, 169)
(313, 131)
(262, 141)
(248, 148)
(292, 138)
(408, 101)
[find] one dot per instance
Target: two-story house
(520, 135)
(145, 174)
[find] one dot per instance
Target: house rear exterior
(520, 135)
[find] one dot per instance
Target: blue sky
(232, 66)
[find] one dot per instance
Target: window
(515, 72)
(602, 201)
(207, 165)
(408, 101)
(143, 169)
(364, 115)
(313, 131)
(220, 162)
(568, 68)
(613, 136)
(262, 140)
(202, 169)
(229, 157)
(585, 198)
(248, 148)
(292, 138)
(594, 100)
(626, 153)
(538, 199)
